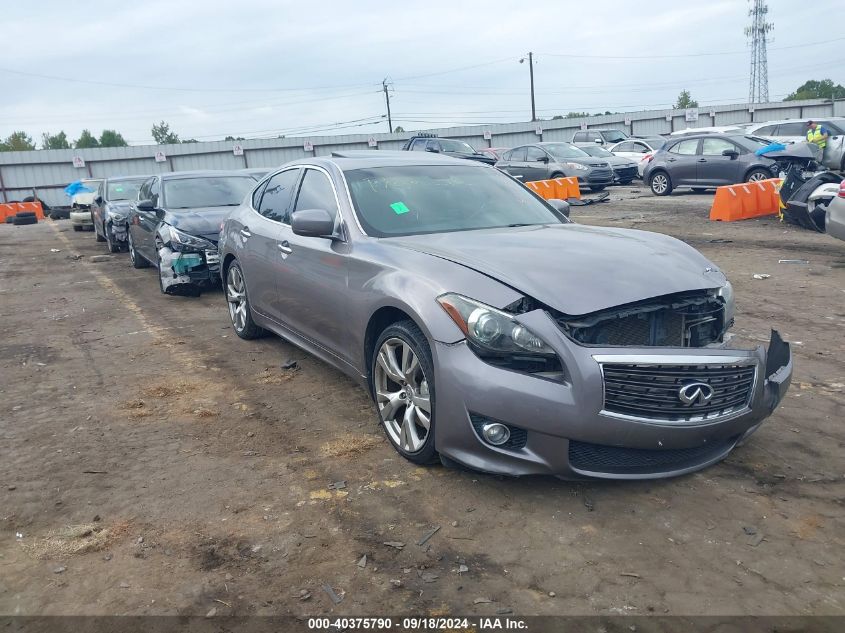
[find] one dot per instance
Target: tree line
(20, 141)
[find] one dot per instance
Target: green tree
(685, 101)
(398, 129)
(112, 138)
(86, 139)
(54, 141)
(162, 134)
(233, 138)
(17, 142)
(812, 89)
(189, 140)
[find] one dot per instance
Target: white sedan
(639, 150)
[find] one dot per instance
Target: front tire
(134, 257)
(756, 175)
(660, 184)
(402, 373)
(240, 310)
(77, 228)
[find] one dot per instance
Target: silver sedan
(490, 330)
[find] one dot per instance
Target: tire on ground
(23, 221)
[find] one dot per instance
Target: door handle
(245, 232)
(702, 160)
(671, 160)
(285, 247)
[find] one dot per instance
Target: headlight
(491, 331)
(726, 292)
(183, 242)
(575, 166)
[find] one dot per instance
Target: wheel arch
(754, 168)
(379, 320)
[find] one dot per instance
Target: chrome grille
(652, 391)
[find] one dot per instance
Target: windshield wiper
(517, 224)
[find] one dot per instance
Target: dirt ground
(153, 463)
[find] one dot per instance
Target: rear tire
(134, 257)
(19, 221)
(599, 188)
(660, 183)
(402, 374)
(77, 228)
(240, 310)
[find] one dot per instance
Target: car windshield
(417, 199)
(124, 189)
(564, 150)
(613, 136)
(206, 191)
(456, 146)
(597, 151)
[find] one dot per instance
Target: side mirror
(159, 213)
(543, 159)
(730, 152)
(561, 206)
(599, 141)
(145, 205)
(434, 150)
(99, 201)
(312, 223)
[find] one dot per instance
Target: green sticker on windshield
(399, 208)
(118, 189)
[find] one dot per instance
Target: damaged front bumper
(616, 414)
(119, 231)
(188, 272)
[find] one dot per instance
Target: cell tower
(758, 32)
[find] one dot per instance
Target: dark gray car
(624, 169)
(707, 160)
(541, 161)
(110, 210)
(174, 224)
(491, 330)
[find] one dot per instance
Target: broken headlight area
(693, 319)
(498, 339)
(183, 242)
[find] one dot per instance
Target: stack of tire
(23, 217)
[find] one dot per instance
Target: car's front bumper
(119, 231)
(182, 272)
(81, 217)
(567, 431)
(624, 174)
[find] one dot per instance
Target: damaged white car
(175, 223)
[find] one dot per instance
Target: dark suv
(447, 147)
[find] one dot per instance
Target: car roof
(819, 119)
(361, 159)
(203, 172)
(688, 137)
(143, 177)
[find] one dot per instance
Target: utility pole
(531, 74)
(387, 101)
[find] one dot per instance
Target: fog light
(495, 433)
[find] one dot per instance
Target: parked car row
(490, 330)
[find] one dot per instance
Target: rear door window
(715, 146)
(277, 196)
(765, 130)
(797, 128)
(579, 137)
(517, 155)
(685, 148)
(534, 154)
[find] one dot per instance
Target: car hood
(572, 268)
(589, 161)
(203, 221)
(619, 161)
(119, 206)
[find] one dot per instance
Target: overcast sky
(258, 68)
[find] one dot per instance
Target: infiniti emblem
(695, 393)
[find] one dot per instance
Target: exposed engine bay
(689, 319)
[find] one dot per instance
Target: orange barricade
(746, 200)
(13, 208)
(561, 188)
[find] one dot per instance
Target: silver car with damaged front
(490, 330)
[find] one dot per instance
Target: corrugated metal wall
(48, 171)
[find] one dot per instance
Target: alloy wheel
(659, 183)
(757, 176)
(402, 395)
(236, 296)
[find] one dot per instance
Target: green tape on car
(399, 208)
